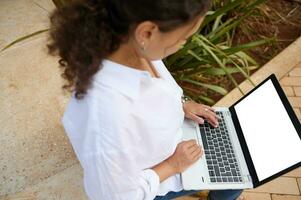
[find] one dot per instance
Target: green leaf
(174, 57)
(218, 71)
(23, 38)
(220, 51)
(220, 63)
(196, 56)
(215, 31)
(217, 21)
(206, 99)
(215, 88)
(220, 11)
(59, 3)
(248, 45)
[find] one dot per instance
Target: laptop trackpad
(190, 130)
(194, 177)
(189, 133)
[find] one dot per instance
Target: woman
(125, 113)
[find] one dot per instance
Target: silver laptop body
(198, 174)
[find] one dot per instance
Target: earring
(143, 47)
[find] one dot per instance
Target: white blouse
(127, 122)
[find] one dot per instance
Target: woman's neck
(127, 56)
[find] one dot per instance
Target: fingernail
(201, 121)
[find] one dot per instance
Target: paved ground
(291, 83)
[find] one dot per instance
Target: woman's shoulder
(95, 103)
(95, 117)
(98, 108)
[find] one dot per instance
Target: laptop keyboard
(219, 153)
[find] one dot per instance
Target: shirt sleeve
(116, 177)
(112, 169)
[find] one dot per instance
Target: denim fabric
(213, 194)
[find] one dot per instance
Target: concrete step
(64, 185)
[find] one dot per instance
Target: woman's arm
(186, 153)
(164, 170)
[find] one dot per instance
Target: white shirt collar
(122, 78)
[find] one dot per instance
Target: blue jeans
(213, 194)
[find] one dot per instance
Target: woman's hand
(186, 153)
(194, 111)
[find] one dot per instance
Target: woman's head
(86, 31)
(158, 44)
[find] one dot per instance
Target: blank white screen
(272, 140)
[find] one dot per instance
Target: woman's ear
(145, 32)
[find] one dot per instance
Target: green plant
(209, 53)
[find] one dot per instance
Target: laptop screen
(271, 138)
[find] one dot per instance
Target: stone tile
(295, 72)
(298, 112)
(256, 196)
(295, 101)
(291, 81)
(288, 91)
(294, 173)
(285, 197)
(297, 91)
(66, 185)
(280, 185)
(34, 145)
(299, 184)
(298, 65)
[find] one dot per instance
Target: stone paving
(291, 84)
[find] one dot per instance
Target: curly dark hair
(85, 31)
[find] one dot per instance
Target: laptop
(257, 140)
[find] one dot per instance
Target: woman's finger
(204, 110)
(210, 108)
(195, 118)
(212, 113)
(209, 116)
(189, 143)
(211, 120)
(193, 147)
(196, 148)
(197, 153)
(213, 123)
